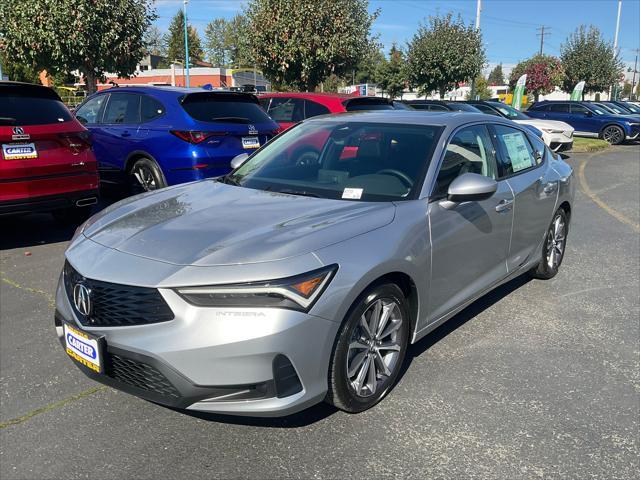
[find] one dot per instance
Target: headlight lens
(297, 293)
(552, 130)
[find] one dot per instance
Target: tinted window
(463, 107)
(122, 108)
(313, 109)
(509, 112)
(578, 109)
(419, 106)
(88, 113)
(150, 108)
(367, 104)
(21, 108)
(469, 151)
(558, 107)
(516, 153)
(438, 108)
(352, 160)
(632, 108)
(486, 109)
(539, 148)
(287, 109)
(264, 103)
(224, 108)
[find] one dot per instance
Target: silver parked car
(304, 274)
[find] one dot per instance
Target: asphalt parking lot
(536, 380)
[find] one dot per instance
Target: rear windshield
(367, 104)
(224, 108)
(18, 108)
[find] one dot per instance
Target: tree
(627, 88)
(301, 42)
(368, 68)
(92, 36)
(482, 90)
(174, 41)
(496, 77)
(544, 73)
(443, 54)
(18, 71)
(153, 40)
(215, 44)
(392, 74)
(239, 36)
(587, 56)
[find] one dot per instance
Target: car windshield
(509, 112)
(632, 108)
(600, 110)
(614, 108)
(347, 160)
(463, 107)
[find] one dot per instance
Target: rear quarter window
(223, 108)
(18, 108)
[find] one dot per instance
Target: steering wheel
(398, 174)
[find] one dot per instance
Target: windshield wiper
(229, 180)
(231, 119)
(8, 120)
(302, 193)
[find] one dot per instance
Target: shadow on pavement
(322, 410)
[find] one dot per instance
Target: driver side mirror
(238, 160)
(470, 187)
(588, 113)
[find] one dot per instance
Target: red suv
(46, 162)
(290, 108)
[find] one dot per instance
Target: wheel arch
(612, 124)
(136, 155)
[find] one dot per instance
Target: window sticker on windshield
(352, 193)
(518, 152)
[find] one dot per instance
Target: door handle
(504, 205)
(125, 134)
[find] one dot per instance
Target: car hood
(209, 223)
(542, 124)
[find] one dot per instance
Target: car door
(534, 186)
(119, 129)
(582, 119)
(470, 240)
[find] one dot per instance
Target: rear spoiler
(27, 90)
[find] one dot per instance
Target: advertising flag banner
(518, 92)
(576, 95)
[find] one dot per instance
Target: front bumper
(257, 362)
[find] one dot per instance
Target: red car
(46, 162)
(290, 108)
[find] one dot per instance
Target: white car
(557, 135)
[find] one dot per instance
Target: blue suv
(151, 137)
(589, 120)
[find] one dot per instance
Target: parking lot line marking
(602, 204)
(46, 295)
(51, 406)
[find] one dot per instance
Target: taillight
(77, 141)
(195, 136)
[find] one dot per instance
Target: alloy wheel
(145, 177)
(556, 239)
(613, 135)
(374, 347)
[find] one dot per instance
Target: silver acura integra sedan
(304, 274)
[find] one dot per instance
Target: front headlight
(297, 293)
(552, 130)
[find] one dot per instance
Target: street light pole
(615, 41)
(473, 80)
(186, 43)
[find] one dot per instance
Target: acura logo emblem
(18, 134)
(82, 299)
(252, 130)
(18, 131)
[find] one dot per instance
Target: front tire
(613, 134)
(369, 350)
(554, 246)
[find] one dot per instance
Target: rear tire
(554, 246)
(146, 176)
(613, 134)
(369, 350)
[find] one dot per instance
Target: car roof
(408, 117)
(162, 90)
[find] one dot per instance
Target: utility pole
(473, 80)
(633, 81)
(543, 31)
(615, 41)
(186, 43)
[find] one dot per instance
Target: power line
(543, 30)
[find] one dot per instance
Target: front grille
(115, 305)
(139, 375)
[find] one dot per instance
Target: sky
(509, 27)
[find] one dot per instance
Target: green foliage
(18, 71)
(482, 90)
(227, 42)
(544, 73)
(154, 41)
(443, 54)
(92, 36)
(496, 77)
(215, 42)
(302, 42)
(391, 76)
(587, 56)
(368, 69)
(174, 41)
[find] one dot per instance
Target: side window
(539, 148)
(437, 108)
(122, 108)
(264, 103)
(578, 109)
(284, 109)
(516, 153)
(558, 108)
(88, 113)
(486, 109)
(150, 108)
(313, 109)
(469, 151)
